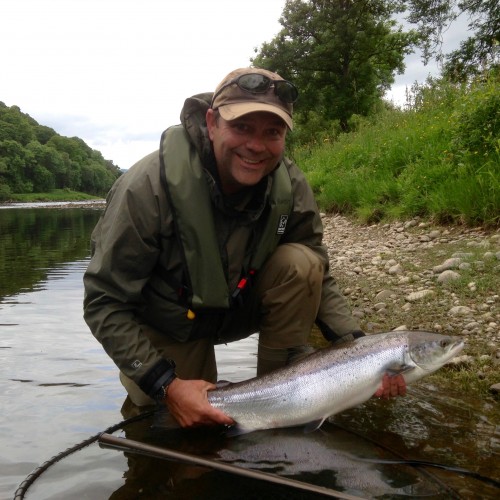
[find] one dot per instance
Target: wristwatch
(164, 381)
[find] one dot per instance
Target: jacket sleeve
(124, 250)
(334, 316)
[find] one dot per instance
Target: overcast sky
(116, 72)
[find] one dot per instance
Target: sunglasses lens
(286, 91)
(254, 83)
(260, 84)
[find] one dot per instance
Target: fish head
(430, 351)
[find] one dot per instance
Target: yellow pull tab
(190, 314)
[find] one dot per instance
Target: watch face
(160, 395)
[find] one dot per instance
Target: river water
(58, 388)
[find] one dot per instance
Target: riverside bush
(438, 158)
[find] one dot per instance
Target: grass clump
(439, 158)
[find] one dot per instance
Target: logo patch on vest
(282, 224)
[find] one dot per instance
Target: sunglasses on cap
(260, 84)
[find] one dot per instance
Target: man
(209, 240)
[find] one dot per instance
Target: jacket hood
(194, 122)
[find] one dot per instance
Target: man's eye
(275, 132)
(241, 127)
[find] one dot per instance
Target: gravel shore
(420, 276)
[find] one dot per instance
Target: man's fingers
(401, 385)
(391, 386)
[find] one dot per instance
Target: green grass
(55, 195)
(440, 160)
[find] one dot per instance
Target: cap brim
(232, 111)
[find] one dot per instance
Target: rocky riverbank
(417, 275)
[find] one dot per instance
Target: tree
(481, 50)
(14, 125)
(14, 175)
(43, 133)
(477, 52)
(43, 179)
(342, 54)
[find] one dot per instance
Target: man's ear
(211, 122)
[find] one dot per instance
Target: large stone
(448, 276)
(495, 389)
(420, 294)
(384, 295)
(396, 269)
(460, 311)
(447, 264)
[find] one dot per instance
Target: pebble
(452, 263)
(448, 276)
(384, 295)
(396, 269)
(421, 294)
(460, 311)
(495, 388)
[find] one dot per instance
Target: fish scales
(332, 380)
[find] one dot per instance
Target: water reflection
(35, 241)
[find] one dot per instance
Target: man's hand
(188, 403)
(392, 385)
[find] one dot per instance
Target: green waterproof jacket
(137, 267)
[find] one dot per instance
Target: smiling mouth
(249, 161)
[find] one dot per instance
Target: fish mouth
(453, 345)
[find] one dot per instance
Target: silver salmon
(331, 380)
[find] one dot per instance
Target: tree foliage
(482, 49)
(35, 159)
(342, 54)
(477, 52)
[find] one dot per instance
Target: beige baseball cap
(232, 101)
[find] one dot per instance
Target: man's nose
(256, 143)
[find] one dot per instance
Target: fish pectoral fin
(237, 430)
(222, 383)
(398, 369)
(313, 426)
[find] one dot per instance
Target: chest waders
(188, 193)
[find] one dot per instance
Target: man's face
(246, 149)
